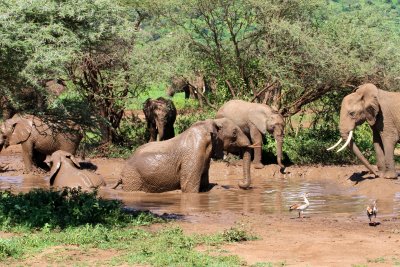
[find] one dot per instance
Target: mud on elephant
(381, 109)
(160, 116)
(183, 162)
(66, 172)
(255, 120)
(39, 138)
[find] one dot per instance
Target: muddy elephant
(381, 109)
(66, 172)
(255, 120)
(39, 137)
(160, 115)
(183, 162)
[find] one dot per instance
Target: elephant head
(226, 134)
(271, 121)
(15, 131)
(161, 114)
(358, 107)
(66, 171)
(178, 84)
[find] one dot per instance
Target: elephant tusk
(254, 146)
(335, 145)
(347, 142)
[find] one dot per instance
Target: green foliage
(132, 245)
(308, 145)
(60, 209)
(237, 234)
(184, 121)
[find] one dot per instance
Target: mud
(334, 232)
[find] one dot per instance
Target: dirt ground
(340, 236)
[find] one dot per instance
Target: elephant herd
(183, 161)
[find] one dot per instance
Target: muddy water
(270, 197)
(267, 195)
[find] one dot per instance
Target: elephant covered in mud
(381, 109)
(160, 115)
(255, 120)
(39, 138)
(183, 162)
(66, 172)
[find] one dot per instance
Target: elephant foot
(390, 175)
(258, 165)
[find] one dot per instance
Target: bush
(41, 208)
(184, 121)
(310, 144)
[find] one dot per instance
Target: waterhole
(268, 196)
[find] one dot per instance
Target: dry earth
(336, 237)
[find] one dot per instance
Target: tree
(288, 53)
(88, 44)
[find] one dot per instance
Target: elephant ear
(21, 130)
(369, 93)
(56, 165)
(217, 143)
(259, 119)
(146, 107)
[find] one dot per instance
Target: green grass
(132, 245)
(54, 223)
(159, 91)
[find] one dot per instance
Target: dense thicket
(281, 52)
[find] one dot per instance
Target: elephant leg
(205, 182)
(131, 180)
(191, 174)
(380, 155)
(256, 138)
(27, 156)
(389, 145)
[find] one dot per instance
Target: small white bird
(372, 210)
(301, 207)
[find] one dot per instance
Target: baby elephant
(65, 172)
(183, 162)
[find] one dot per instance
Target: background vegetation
(301, 57)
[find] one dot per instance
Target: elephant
(183, 162)
(255, 120)
(66, 172)
(39, 137)
(160, 115)
(381, 109)
(195, 87)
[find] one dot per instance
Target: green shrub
(41, 208)
(237, 234)
(184, 121)
(310, 144)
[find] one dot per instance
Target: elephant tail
(116, 184)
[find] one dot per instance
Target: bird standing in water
(372, 210)
(301, 207)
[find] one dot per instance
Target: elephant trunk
(245, 183)
(160, 130)
(353, 147)
(279, 143)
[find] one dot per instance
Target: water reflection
(268, 196)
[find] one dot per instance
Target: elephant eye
(352, 113)
(234, 133)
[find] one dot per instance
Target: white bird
(301, 207)
(372, 210)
